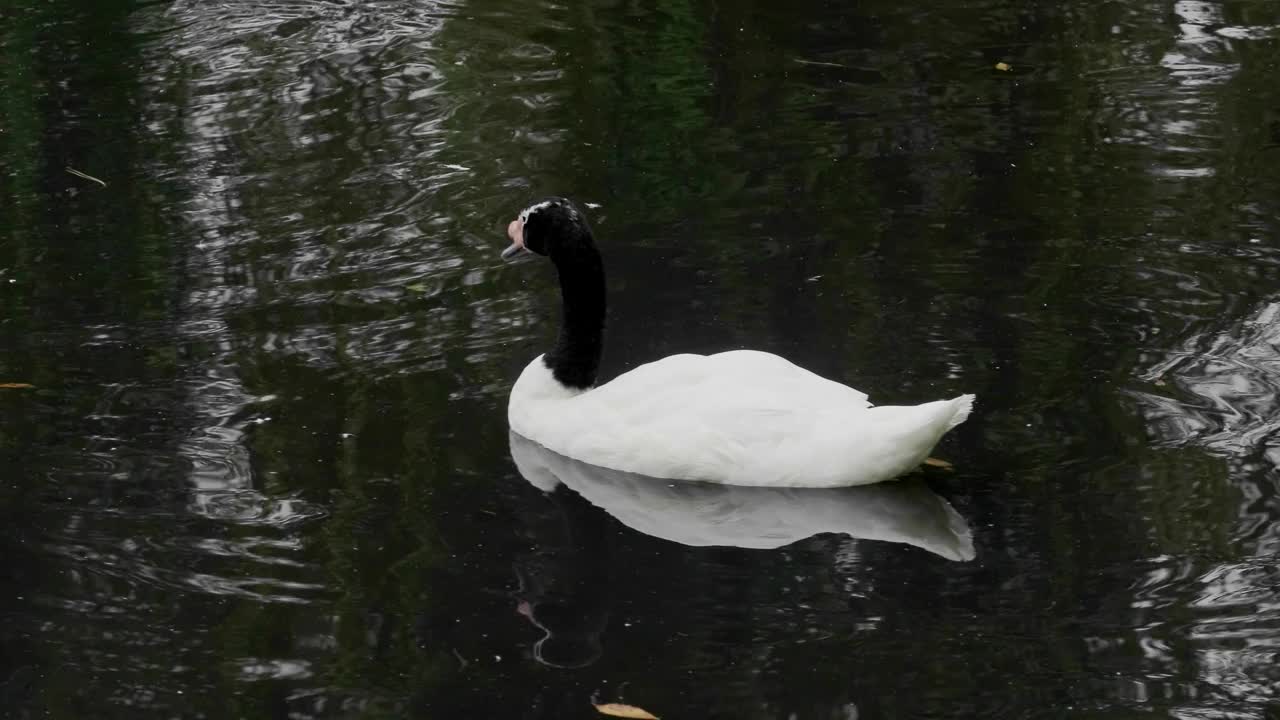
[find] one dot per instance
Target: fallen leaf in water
(1004, 66)
(624, 711)
(935, 462)
(16, 386)
(416, 287)
(86, 176)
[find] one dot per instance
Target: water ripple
(1228, 380)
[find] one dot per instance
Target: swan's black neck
(576, 357)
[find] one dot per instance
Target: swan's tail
(962, 406)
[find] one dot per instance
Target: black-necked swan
(741, 417)
(711, 514)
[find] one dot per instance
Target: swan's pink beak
(515, 231)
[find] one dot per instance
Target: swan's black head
(553, 228)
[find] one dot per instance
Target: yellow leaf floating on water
(625, 711)
(16, 386)
(1004, 66)
(938, 463)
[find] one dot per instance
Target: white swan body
(736, 418)
(739, 418)
(702, 514)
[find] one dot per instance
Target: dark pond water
(264, 471)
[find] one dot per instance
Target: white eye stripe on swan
(524, 215)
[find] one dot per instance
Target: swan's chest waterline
(539, 402)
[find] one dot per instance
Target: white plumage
(740, 418)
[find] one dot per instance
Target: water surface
(265, 471)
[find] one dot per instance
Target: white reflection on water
(704, 514)
(1220, 392)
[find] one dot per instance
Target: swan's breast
(536, 408)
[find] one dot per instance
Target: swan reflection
(703, 514)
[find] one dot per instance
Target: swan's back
(725, 384)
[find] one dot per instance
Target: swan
(704, 514)
(741, 417)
